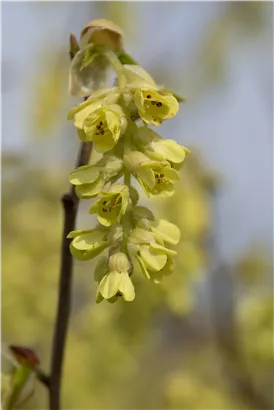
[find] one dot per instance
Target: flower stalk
(118, 68)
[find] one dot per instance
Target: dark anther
(101, 123)
(97, 133)
(162, 175)
(159, 104)
(104, 210)
(159, 181)
(98, 126)
(148, 96)
(153, 102)
(104, 203)
(102, 132)
(156, 176)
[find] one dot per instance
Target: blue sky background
(230, 121)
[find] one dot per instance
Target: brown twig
(70, 205)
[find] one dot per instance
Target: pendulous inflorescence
(116, 119)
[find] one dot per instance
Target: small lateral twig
(43, 378)
(70, 206)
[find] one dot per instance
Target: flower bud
(25, 356)
(104, 33)
(118, 262)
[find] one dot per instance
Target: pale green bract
(116, 121)
(83, 80)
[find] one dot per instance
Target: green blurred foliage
(50, 97)
(244, 20)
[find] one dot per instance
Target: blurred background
(203, 339)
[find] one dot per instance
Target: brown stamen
(159, 104)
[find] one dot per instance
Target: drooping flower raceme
(116, 121)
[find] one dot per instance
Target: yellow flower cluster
(117, 120)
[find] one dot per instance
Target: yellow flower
(154, 258)
(87, 244)
(112, 206)
(155, 106)
(99, 122)
(155, 177)
(89, 180)
(116, 281)
(155, 147)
